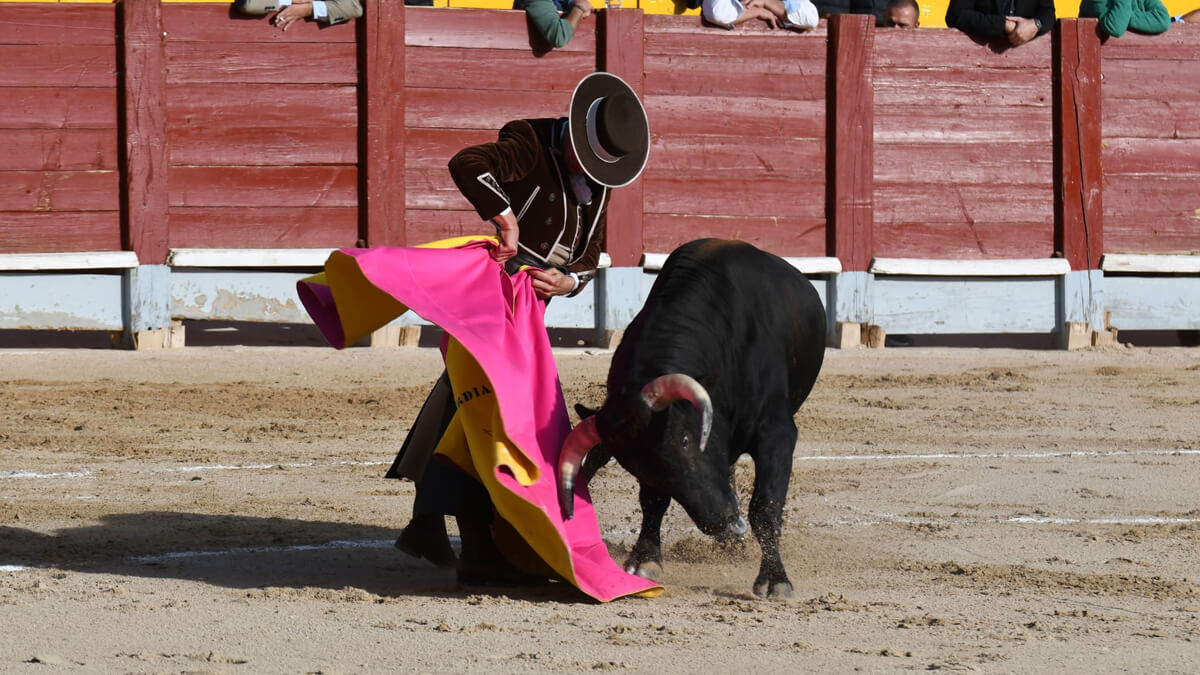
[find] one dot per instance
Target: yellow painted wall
(933, 12)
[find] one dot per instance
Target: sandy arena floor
(221, 510)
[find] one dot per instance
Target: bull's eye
(687, 441)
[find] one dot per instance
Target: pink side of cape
(501, 322)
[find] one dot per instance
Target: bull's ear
(585, 412)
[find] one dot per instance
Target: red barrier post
(1078, 176)
(849, 155)
(621, 51)
(143, 122)
(381, 126)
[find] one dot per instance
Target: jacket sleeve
(1149, 16)
(544, 16)
(341, 11)
(1045, 13)
(961, 14)
(480, 170)
(586, 266)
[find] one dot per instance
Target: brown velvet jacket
(524, 170)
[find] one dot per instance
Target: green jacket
(543, 14)
(1141, 16)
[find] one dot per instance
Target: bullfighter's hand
(506, 225)
(551, 282)
(297, 11)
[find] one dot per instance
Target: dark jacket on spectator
(876, 7)
(986, 17)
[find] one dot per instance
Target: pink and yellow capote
(511, 419)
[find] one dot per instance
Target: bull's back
(743, 309)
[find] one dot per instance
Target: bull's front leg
(772, 472)
(645, 560)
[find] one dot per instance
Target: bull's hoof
(647, 570)
(777, 591)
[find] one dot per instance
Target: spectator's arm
(558, 30)
(961, 14)
(339, 11)
(1150, 17)
(479, 170)
(1113, 15)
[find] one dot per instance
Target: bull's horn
(579, 442)
(664, 390)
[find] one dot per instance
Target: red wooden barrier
(1151, 152)
(262, 128)
(1079, 218)
(738, 133)
(59, 152)
(963, 147)
(938, 147)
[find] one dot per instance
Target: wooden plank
(495, 69)
(743, 116)
(965, 163)
(59, 107)
(1142, 118)
(260, 63)
(59, 190)
(1151, 214)
(850, 159)
(1151, 156)
(800, 159)
(58, 149)
(263, 146)
(144, 109)
(1007, 267)
(937, 48)
(735, 77)
(252, 105)
(25, 231)
(486, 29)
(963, 124)
(772, 196)
(433, 189)
(1149, 79)
(257, 186)
(264, 227)
(621, 52)
(898, 203)
(75, 260)
(461, 109)
(1078, 177)
(957, 240)
(782, 236)
(383, 180)
(57, 65)
(1182, 41)
(690, 25)
(433, 148)
(425, 225)
(219, 22)
(1153, 264)
(990, 87)
(805, 51)
(75, 24)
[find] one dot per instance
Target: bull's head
(632, 429)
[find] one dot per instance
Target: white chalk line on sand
(87, 473)
(1066, 454)
(869, 519)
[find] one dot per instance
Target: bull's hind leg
(645, 560)
(772, 472)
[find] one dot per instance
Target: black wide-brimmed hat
(609, 130)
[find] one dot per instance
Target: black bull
(731, 339)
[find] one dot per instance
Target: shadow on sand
(246, 552)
